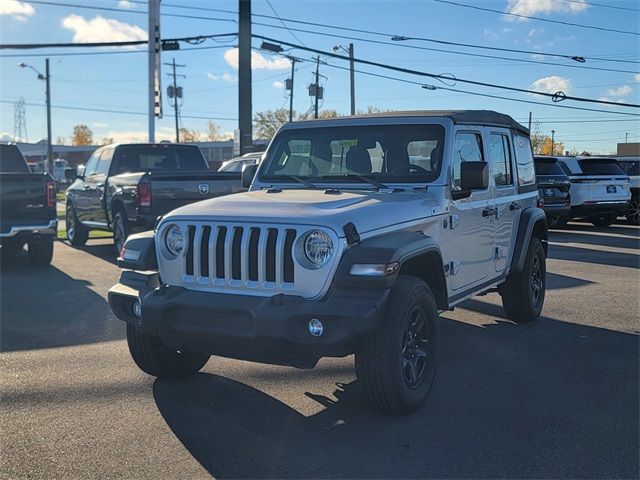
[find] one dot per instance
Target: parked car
(237, 164)
(599, 189)
(60, 169)
(631, 166)
(329, 256)
(28, 206)
(553, 188)
(126, 187)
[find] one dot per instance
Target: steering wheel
(416, 168)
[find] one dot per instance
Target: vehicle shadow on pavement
(590, 255)
(508, 401)
(103, 251)
(46, 308)
(589, 238)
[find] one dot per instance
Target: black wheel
(604, 220)
(41, 252)
(397, 364)
(12, 246)
(120, 230)
(523, 292)
(77, 234)
(633, 214)
(558, 222)
(155, 358)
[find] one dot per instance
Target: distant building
(632, 148)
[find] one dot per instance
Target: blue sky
(108, 81)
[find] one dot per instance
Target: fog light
(316, 328)
(136, 308)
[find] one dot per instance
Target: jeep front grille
(240, 255)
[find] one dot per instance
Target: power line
(556, 97)
(594, 4)
(73, 54)
(284, 24)
(484, 9)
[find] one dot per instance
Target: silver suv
(355, 234)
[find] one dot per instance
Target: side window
(105, 162)
(468, 148)
(500, 159)
(524, 159)
(92, 163)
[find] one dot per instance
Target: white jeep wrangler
(355, 234)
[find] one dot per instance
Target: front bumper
(262, 329)
(599, 208)
(50, 228)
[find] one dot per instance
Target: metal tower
(20, 122)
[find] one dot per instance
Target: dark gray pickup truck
(27, 207)
(126, 187)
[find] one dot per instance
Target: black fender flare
(532, 219)
(140, 252)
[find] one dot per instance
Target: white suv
(631, 166)
(355, 234)
(599, 189)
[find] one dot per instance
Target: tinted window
(92, 163)
(600, 167)
(548, 167)
(631, 167)
(468, 148)
(167, 158)
(11, 160)
(500, 159)
(524, 159)
(393, 153)
(105, 162)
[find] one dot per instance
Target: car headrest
(358, 160)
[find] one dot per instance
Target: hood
(368, 210)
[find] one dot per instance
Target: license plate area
(548, 192)
(611, 189)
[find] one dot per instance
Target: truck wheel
(155, 358)
(633, 214)
(523, 292)
(120, 230)
(604, 220)
(40, 253)
(77, 233)
(397, 364)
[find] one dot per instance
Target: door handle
(489, 212)
(515, 206)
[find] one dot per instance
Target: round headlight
(174, 240)
(318, 248)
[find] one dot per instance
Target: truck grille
(240, 255)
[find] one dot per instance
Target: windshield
(601, 167)
(388, 153)
(164, 158)
(548, 167)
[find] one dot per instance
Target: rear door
(505, 197)
(84, 195)
(98, 211)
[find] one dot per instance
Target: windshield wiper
(370, 181)
(303, 181)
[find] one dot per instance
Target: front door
(84, 194)
(505, 195)
(471, 224)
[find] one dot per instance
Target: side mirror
(473, 176)
(248, 172)
(80, 171)
(70, 175)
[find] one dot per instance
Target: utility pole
(175, 92)
(244, 77)
(626, 137)
(553, 136)
(317, 87)
(290, 87)
(529, 122)
(154, 105)
(48, 94)
(353, 79)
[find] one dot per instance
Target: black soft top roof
(459, 117)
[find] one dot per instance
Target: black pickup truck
(126, 187)
(27, 207)
(553, 188)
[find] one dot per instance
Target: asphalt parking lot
(558, 398)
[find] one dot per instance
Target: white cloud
(551, 84)
(100, 124)
(258, 61)
(533, 7)
(101, 29)
(278, 84)
(620, 91)
(226, 77)
(637, 77)
(18, 10)
(125, 4)
(491, 34)
(537, 56)
(141, 136)
(6, 137)
(614, 100)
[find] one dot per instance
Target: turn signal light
(50, 193)
(144, 194)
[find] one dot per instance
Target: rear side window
(158, 158)
(524, 160)
(468, 148)
(548, 167)
(11, 160)
(631, 167)
(600, 167)
(500, 159)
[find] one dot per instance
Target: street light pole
(553, 134)
(48, 95)
(317, 96)
(293, 70)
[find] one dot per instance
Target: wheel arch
(533, 223)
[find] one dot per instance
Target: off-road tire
(41, 252)
(633, 214)
(120, 230)
(381, 362)
(155, 358)
(559, 222)
(519, 298)
(77, 234)
(604, 220)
